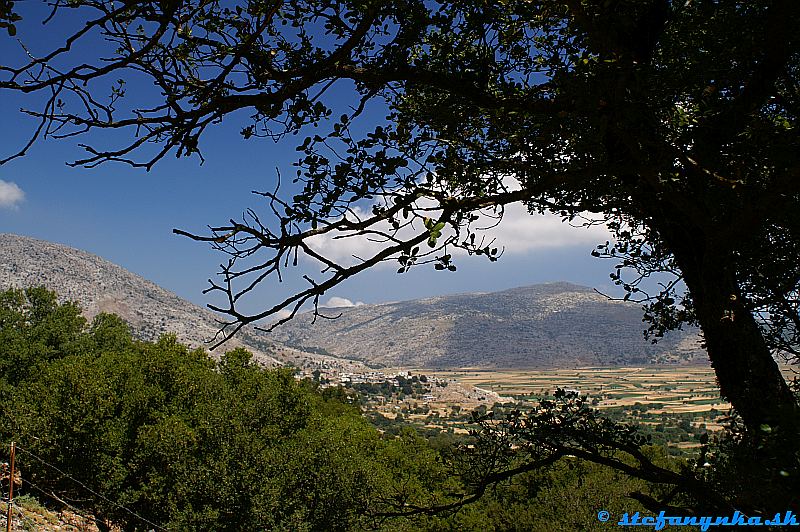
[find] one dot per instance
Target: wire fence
(51, 495)
(29, 525)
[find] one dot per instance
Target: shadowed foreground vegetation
(147, 433)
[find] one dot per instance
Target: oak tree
(675, 121)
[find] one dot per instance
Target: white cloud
(519, 232)
(283, 313)
(344, 250)
(336, 301)
(10, 194)
(522, 232)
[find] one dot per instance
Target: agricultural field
(661, 389)
(675, 405)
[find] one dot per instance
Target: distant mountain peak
(98, 285)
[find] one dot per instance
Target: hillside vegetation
(177, 438)
(145, 435)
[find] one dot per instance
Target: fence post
(11, 488)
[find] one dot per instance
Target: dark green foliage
(674, 122)
(180, 439)
(758, 470)
(738, 469)
(196, 444)
(566, 496)
(34, 330)
(8, 17)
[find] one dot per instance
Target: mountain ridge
(545, 325)
(99, 285)
(557, 324)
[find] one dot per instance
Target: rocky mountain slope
(550, 325)
(101, 286)
(545, 325)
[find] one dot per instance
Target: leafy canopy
(675, 122)
(184, 441)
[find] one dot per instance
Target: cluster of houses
(330, 374)
(372, 377)
(349, 378)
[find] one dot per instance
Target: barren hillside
(101, 286)
(547, 325)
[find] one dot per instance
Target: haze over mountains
(550, 325)
(546, 325)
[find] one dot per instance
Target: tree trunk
(747, 374)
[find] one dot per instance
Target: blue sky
(127, 215)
